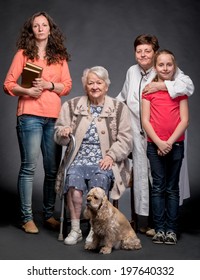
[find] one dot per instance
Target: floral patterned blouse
(90, 152)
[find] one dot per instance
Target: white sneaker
(89, 238)
(73, 237)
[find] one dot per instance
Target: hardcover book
(30, 72)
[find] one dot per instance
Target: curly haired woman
(41, 43)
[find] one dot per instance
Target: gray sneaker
(170, 238)
(159, 237)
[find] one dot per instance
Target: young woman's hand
(34, 92)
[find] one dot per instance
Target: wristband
(52, 88)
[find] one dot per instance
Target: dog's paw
(90, 246)
(131, 244)
(138, 244)
(105, 250)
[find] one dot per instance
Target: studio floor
(15, 244)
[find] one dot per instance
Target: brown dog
(111, 228)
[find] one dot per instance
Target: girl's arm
(182, 126)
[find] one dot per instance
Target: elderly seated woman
(101, 126)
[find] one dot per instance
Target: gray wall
(102, 33)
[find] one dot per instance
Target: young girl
(165, 120)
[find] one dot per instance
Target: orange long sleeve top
(49, 103)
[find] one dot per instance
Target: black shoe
(159, 237)
(170, 238)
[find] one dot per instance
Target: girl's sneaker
(159, 237)
(170, 238)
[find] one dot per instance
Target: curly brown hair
(56, 52)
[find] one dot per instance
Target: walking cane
(66, 159)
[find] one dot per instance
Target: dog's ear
(104, 199)
(87, 213)
(102, 193)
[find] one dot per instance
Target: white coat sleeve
(182, 85)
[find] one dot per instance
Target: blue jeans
(35, 133)
(165, 172)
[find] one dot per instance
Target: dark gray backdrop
(102, 32)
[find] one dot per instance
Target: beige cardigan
(115, 134)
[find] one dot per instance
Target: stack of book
(29, 74)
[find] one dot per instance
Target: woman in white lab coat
(138, 80)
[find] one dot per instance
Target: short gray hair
(100, 71)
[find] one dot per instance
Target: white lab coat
(131, 94)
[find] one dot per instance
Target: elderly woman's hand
(65, 132)
(106, 163)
